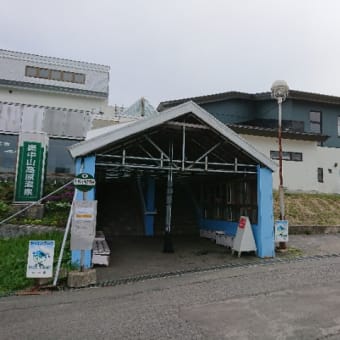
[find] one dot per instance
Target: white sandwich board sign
(244, 239)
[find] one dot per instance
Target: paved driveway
(295, 300)
(134, 256)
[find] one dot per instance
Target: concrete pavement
(296, 300)
(134, 256)
(316, 244)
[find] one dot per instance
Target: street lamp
(279, 92)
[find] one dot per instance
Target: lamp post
(279, 91)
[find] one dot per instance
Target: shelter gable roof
(98, 142)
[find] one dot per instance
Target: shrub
(4, 208)
(6, 191)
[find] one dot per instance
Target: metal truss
(125, 160)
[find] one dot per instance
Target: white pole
(67, 229)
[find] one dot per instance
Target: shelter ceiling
(186, 145)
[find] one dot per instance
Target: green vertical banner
(30, 171)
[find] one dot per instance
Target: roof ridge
(293, 94)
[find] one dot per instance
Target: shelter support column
(84, 164)
(149, 206)
(168, 247)
(264, 231)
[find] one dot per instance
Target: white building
(57, 97)
(300, 175)
(55, 82)
(65, 99)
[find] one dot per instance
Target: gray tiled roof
(297, 95)
(268, 132)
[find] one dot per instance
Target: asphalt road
(297, 300)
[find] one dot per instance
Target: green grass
(13, 260)
(310, 209)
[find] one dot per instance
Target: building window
(44, 73)
(31, 71)
(287, 156)
(8, 153)
(296, 156)
(79, 78)
(315, 121)
(320, 175)
(56, 75)
(68, 76)
(59, 159)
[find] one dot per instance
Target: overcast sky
(169, 49)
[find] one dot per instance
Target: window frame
(27, 71)
(56, 78)
(40, 73)
(320, 175)
(8, 157)
(58, 156)
(289, 156)
(66, 74)
(75, 78)
(315, 122)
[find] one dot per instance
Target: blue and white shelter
(179, 171)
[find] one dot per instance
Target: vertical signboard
(83, 228)
(281, 231)
(40, 259)
(30, 167)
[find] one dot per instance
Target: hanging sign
(40, 259)
(244, 239)
(84, 182)
(281, 231)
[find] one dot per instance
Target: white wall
(329, 160)
(13, 66)
(73, 124)
(36, 97)
(302, 176)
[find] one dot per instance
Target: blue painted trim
(150, 206)
(264, 231)
(75, 258)
(84, 164)
(228, 227)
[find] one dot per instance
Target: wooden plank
(101, 248)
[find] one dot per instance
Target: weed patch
(13, 260)
(310, 209)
